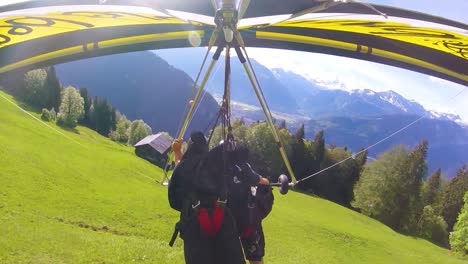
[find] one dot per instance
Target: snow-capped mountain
(389, 100)
(445, 116)
(316, 101)
(405, 105)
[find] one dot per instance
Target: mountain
(300, 88)
(448, 141)
(189, 60)
(359, 103)
(291, 93)
(141, 85)
(315, 100)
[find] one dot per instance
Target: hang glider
(39, 33)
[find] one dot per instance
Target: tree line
(394, 189)
(69, 106)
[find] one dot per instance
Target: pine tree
(102, 116)
(452, 200)
(300, 133)
(282, 124)
(53, 88)
(319, 142)
(354, 170)
(298, 155)
(86, 120)
(317, 153)
(361, 159)
(432, 191)
(410, 202)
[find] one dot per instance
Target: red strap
(218, 215)
(247, 232)
(205, 222)
(211, 226)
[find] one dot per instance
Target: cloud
(336, 72)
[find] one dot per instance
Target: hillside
(142, 86)
(189, 60)
(76, 197)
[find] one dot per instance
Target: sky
(348, 74)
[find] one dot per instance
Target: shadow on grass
(69, 129)
(26, 106)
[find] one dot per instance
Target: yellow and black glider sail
(49, 38)
(38, 33)
(436, 51)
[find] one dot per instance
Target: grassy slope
(92, 201)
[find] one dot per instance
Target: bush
(433, 227)
(46, 116)
(459, 236)
(121, 133)
(53, 114)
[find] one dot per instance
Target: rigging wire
(255, 76)
(363, 150)
(205, 91)
(179, 126)
(373, 145)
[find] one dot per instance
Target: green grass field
(81, 198)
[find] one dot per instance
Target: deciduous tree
(137, 131)
(71, 108)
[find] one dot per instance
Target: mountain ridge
(141, 85)
(311, 98)
(344, 115)
(377, 103)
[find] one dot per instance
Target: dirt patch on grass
(84, 225)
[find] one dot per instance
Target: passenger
(198, 190)
(250, 199)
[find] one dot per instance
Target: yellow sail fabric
(35, 37)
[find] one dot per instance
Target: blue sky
(348, 74)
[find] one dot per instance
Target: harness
(209, 213)
(211, 225)
(208, 208)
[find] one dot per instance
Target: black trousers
(254, 244)
(225, 247)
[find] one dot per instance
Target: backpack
(249, 206)
(179, 183)
(198, 177)
(197, 182)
